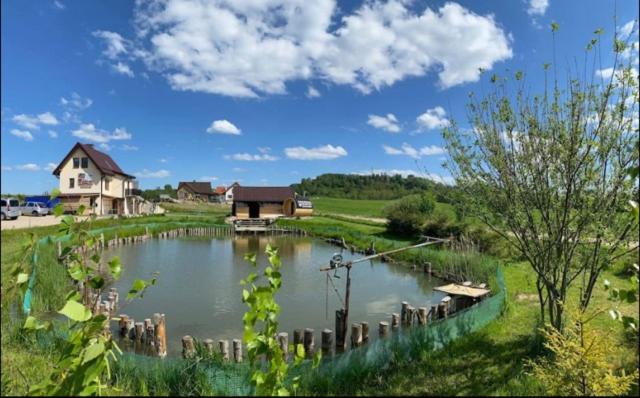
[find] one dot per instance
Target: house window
(72, 182)
(76, 163)
(85, 163)
(106, 184)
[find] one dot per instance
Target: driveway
(29, 221)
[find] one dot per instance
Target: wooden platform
(251, 224)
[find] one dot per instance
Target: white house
(228, 195)
(91, 178)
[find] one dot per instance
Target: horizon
(266, 95)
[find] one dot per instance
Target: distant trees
(154, 194)
(549, 172)
(375, 186)
(407, 215)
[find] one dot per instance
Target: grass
(217, 209)
(362, 208)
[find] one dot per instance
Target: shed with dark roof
(260, 202)
(196, 190)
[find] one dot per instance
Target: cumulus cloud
(408, 150)
(34, 122)
(122, 69)
(6, 168)
(208, 178)
(326, 152)
(312, 92)
(605, 73)
(247, 157)
(59, 5)
(126, 147)
(89, 132)
(152, 174)
(223, 127)
(25, 135)
(443, 179)
(76, 102)
(28, 167)
(115, 44)
(388, 122)
(220, 47)
(537, 7)
(52, 134)
(50, 166)
(433, 119)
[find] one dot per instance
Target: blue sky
(264, 92)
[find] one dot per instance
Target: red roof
(220, 190)
(103, 162)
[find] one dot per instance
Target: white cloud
(605, 73)
(25, 135)
(122, 69)
(247, 157)
(28, 167)
(223, 127)
(208, 178)
(52, 134)
(76, 101)
(104, 146)
(152, 174)
(388, 123)
(34, 122)
(326, 152)
(628, 28)
(163, 160)
(126, 147)
(537, 7)
(238, 170)
(312, 92)
(6, 168)
(443, 179)
(408, 150)
(434, 118)
(59, 5)
(221, 47)
(50, 166)
(89, 132)
(116, 44)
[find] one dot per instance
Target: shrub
(407, 215)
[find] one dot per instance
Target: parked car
(10, 208)
(35, 209)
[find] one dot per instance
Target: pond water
(198, 285)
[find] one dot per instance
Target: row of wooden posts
(196, 231)
(151, 332)
(408, 317)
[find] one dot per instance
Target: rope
(335, 290)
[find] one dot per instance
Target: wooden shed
(297, 207)
(463, 296)
(260, 202)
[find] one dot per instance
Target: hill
(373, 187)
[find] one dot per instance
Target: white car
(10, 208)
(35, 209)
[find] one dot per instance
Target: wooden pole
(365, 331)
(237, 350)
(422, 316)
(130, 328)
(209, 345)
(395, 321)
(383, 328)
(327, 342)
(224, 349)
(356, 335)
(403, 312)
(122, 323)
(283, 340)
(309, 342)
(297, 338)
(188, 348)
(161, 336)
(410, 314)
(139, 330)
(340, 329)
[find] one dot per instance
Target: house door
(254, 210)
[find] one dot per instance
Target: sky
(266, 92)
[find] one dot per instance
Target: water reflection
(198, 287)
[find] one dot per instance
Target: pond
(198, 285)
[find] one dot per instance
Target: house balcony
(133, 192)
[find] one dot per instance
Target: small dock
(251, 225)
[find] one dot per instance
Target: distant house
(268, 202)
(220, 193)
(196, 191)
(228, 195)
(92, 178)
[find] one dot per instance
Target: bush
(407, 215)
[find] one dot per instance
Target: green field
(365, 208)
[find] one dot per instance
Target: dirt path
(357, 218)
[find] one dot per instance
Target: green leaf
(22, 278)
(31, 323)
(96, 282)
(116, 267)
(58, 210)
(93, 351)
(81, 210)
(55, 192)
(75, 311)
(554, 26)
(137, 286)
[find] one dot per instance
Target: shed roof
(220, 190)
(103, 162)
(203, 188)
(460, 290)
(262, 194)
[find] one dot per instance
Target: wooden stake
(356, 335)
(122, 323)
(188, 348)
(309, 342)
(365, 331)
(139, 330)
(297, 338)
(161, 336)
(383, 328)
(223, 345)
(327, 342)
(237, 350)
(283, 340)
(340, 329)
(209, 345)
(403, 312)
(422, 316)
(395, 321)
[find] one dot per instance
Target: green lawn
(365, 208)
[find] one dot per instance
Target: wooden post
(131, 328)
(422, 316)
(150, 333)
(223, 345)
(327, 342)
(237, 350)
(403, 312)
(356, 335)
(122, 323)
(161, 336)
(340, 329)
(139, 330)
(283, 340)
(410, 313)
(297, 338)
(209, 345)
(309, 342)
(395, 321)
(188, 348)
(365, 331)
(434, 312)
(442, 310)
(383, 328)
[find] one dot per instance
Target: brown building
(264, 202)
(196, 191)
